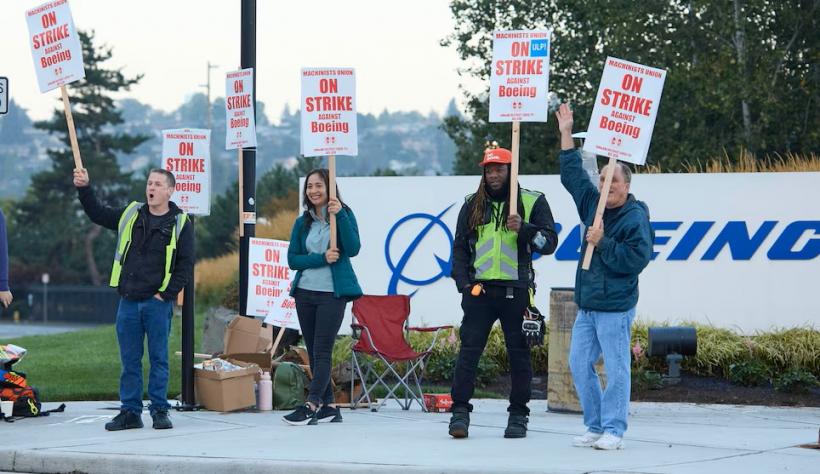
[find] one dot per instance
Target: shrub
(789, 348)
(749, 373)
(646, 380)
(717, 349)
(795, 381)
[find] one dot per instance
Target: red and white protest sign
(519, 78)
(625, 110)
(187, 154)
(269, 281)
(240, 124)
(329, 112)
(55, 45)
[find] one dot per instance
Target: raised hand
(564, 116)
(81, 179)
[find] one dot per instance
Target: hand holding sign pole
(519, 83)
(58, 56)
(623, 118)
(329, 121)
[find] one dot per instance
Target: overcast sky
(394, 46)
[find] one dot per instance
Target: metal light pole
(248, 60)
(207, 87)
(45, 279)
(188, 324)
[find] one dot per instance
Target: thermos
(265, 400)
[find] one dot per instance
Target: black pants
(480, 313)
(320, 317)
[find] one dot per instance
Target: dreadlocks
(478, 204)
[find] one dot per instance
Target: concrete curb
(40, 461)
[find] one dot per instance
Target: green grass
(85, 365)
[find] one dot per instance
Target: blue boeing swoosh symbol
(397, 269)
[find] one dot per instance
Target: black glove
(533, 327)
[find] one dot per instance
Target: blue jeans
(597, 332)
(135, 320)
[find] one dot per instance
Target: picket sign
(622, 121)
(240, 128)
(58, 56)
(329, 121)
(519, 83)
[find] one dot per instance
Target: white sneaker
(609, 442)
(586, 440)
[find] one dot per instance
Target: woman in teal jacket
(323, 285)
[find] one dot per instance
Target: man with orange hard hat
(492, 268)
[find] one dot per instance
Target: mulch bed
(692, 389)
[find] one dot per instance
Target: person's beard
(499, 195)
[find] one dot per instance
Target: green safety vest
(496, 249)
(124, 228)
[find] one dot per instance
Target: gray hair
(627, 173)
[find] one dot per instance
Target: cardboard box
(226, 391)
(262, 359)
(245, 335)
(438, 402)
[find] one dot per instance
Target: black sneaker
(329, 414)
(126, 420)
(161, 420)
(516, 426)
(460, 424)
(304, 415)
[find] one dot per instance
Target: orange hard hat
(496, 155)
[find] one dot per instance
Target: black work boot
(460, 424)
(161, 420)
(126, 420)
(516, 426)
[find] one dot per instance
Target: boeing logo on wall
(797, 241)
(397, 269)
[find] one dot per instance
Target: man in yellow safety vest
(153, 261)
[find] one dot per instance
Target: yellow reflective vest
(496, 247)
(124, 228)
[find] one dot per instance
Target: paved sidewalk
(663, 438)
(11, 330)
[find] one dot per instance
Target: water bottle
(265, 402)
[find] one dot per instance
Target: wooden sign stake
(599, 212)
(331, 166)
(516, 134)
(241, 197)
(72, 133)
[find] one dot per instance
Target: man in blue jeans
(153, 261)
(606, 294)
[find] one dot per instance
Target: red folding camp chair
(380, 325)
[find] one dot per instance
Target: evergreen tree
(741, 74)
(53, 234)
